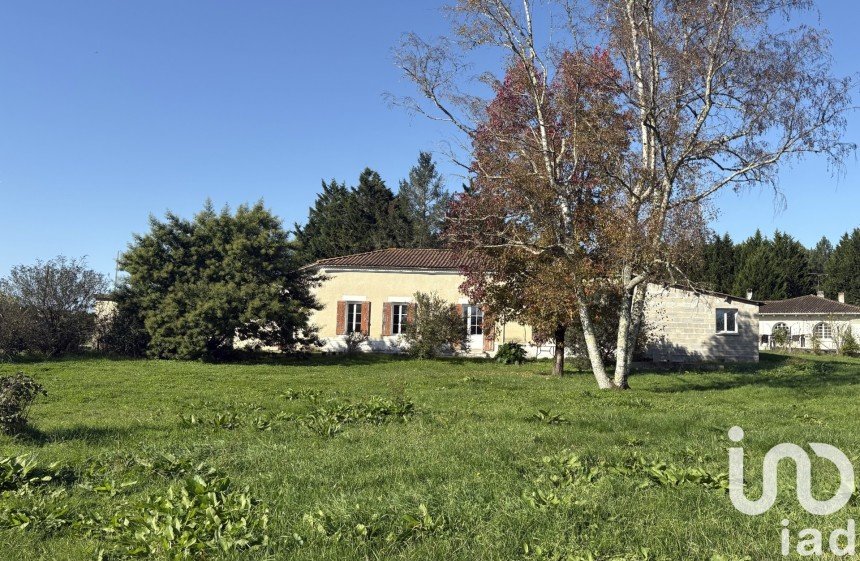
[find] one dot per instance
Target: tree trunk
(629, 326)
(638, 319)
(558, 364)
(622, 340)
(597, 366)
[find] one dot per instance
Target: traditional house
(372, 293)
(807, 322)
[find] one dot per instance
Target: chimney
(749, 294)
(820, 294)
(841, 297)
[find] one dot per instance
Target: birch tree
(721, 93)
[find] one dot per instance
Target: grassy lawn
(625, 471)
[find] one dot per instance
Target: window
(823, 331)
(727, 320)
(474, 320)
(781, 330)
(398, 318)
(353, 317)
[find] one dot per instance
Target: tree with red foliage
(544, 225)
(712, 95)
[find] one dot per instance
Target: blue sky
(110, 111)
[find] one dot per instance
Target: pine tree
(200, 284)
(425, 201)
(719, 264)
(326, 233)
(753, 267)
(790, 262)
(842, 272)
(344, 221)
(377, 218)
(818, 258)
(819, 255)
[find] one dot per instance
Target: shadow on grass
(336, 359)
(84, 433)
(774, 371)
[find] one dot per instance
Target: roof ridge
(809, 304)
(324, 259)
(408, 257)
(387, 249)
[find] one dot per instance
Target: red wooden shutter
(460, 311)
(365, 318)
(386, 319)
(411, 312)
(340, 326)
(489, 328)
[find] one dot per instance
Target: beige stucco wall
(381, 286)
(682, 327)
(681, 324)
(378, 287)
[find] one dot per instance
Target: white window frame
(399, 311)
(823, 325)
(781, 325)
(353, 317)
(725, 327)
(474, 312)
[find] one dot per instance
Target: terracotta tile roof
(809, 304)
(398, 258)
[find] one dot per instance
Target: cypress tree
(425, 202)
(842, 272)
(344, 221)
(790, 267)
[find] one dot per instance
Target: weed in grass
(43, 513)
(21, 471)
(292, 395)
(808, 419)
(197, 519)
(328, 420)
(220, 420)
(169, 465)
(358, 524)
(545, 417)
(658, 472)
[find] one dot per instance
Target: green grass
(471, 453)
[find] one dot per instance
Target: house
(805, 321)
(372, 293)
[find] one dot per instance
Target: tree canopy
(426, 201)
(842, 271)
(369, 216)
(200, 285)
(46, 307)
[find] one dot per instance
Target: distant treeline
(780, 267)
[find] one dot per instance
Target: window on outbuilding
(727, 320)
(823, 331)
(781, 327)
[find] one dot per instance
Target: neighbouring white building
(799, 321)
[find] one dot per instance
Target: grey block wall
(681, 327)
